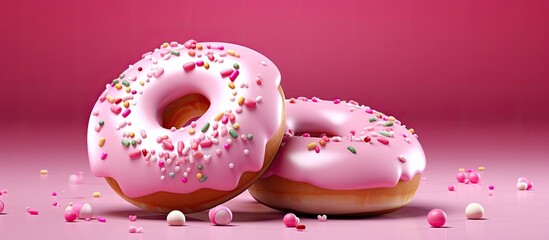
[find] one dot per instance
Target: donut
(341, 158)
(187, 127)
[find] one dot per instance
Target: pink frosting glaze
(350, 127)
(174, 160)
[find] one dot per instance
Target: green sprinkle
(134, 143)
(115, 81)
(171, 174)
(101, 122)
(372, 119)
(205, 127)
(250, 136)
(351, 149)
(233, 133)
(385, 133)
(125, 83)
(122, 76)
(203, 178)
(388, 124)
(236, 66)
(174, 52)
(200, 167)
(125, 143)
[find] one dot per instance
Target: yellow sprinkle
(141, 83)
(218, 116)
(461, 169)
(322, 143)
(411, 130)
(481, 168)
(391, 118)
(231, 85)
(118, 86)
(230, 52)
(128, 89)
(101, 141)
(126, 104)
(236, 126)
(132, 134)
(110, 98)
(199, 46)
(236, 54)
(199, 175)
(191, 131)
(96, 194)
(43, 172)
(311, 145)
(240, 101)
(165, 45)
(206, 65)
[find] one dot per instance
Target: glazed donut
(187, 127)
(340, 158)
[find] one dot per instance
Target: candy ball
(1, 206)
(461, 176)
(451, 188)
(70, 216)
(530, 185)
(474, 177)
(290, 220)
(86, 211)
(474, 211)
(522, 186)
(436, 218)
(176, 218)
(220, 215)
(491, 187)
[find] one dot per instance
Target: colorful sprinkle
(233, 133)
(205, 127)
(372, 119)
(234, 75)
(125, 142)
(227, 72)
(250, 136)
(101, 141)
(385, 133)
(236, 66)
(126, 113)
(188, 66)
(311, 146)
(44, 172)
(351, 149)
(388, 124)
(134, 154)
(383, 140)
(174, 52)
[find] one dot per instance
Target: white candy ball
(474, 211)
(176, 218)
(522, 186)
(86, 211)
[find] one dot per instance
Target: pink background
(470, 76)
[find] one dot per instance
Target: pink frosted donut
(341, 158)
(187, 127)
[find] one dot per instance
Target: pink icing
(334, 166)
(158, 159)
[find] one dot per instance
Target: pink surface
(469, 76)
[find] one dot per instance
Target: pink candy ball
(530, 185)
(474, 177)
(491, 187)
(1, 206)
(451, 188)
(290, 220)
(461, 176)
(70, 216)
(436, 218)
(220, 215)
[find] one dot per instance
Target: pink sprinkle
(103, 156)
(383, 140)
(126, 113)
(143, 133)
(402, 158)
(54, 194)
(33, 212)
(206, 143)
(54, 204)
(161, 163)
(227, 72)
(306, 135)
(370, 111)
(317, 149)
(250, 103)
(166, 144)
(337, 101)
(158, 72)
(132, 229)
(132, 218)
(198, 155)
(491, 187)
(180, 147)
(234, 74)
(474, 177)
(490, 193)
(101, 219)
(461, 176)
(184, 180)
(189, 66)
(135, 154)
(116, 109)
(227, 146)
(200, 63)
(451, 188)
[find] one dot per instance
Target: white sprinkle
(246, 152)
(162, 178)
(263, 63)
(402, 158)
(231, 165)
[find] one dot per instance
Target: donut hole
(315, 134)
(182, 111)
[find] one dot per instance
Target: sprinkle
(126, 113)
(411, 130)
(188, 66)
(388, 124)
(166, 144)
(199, 175)
(218, 116)
(236, 126)
(227, 72)
(101, 219)
(116, 109)
(385, 133)
(236, 66)
(383, 140)
(206, 143)
(234, 75)
(125, 142)
(206, 65)
(367, 139)
(233, 133)
(44, 172)
(241, 100)
(246, 152)
(135, 154)
(250, 136)
(184, 180)
(372, 119)
(171, 174)
(96, 194)
(300, 227)
(200, 63)
(158, 72)
(205, 127)
(311, 146)
(101, 141)
(481, 168)
(231, 85)
(191, 131)
(125, 83)
(200, 167)
(203, 179)
(250, 103)
(322, 142)
(402, 158)
(174, 52)
(351, 149)
(337, 101)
